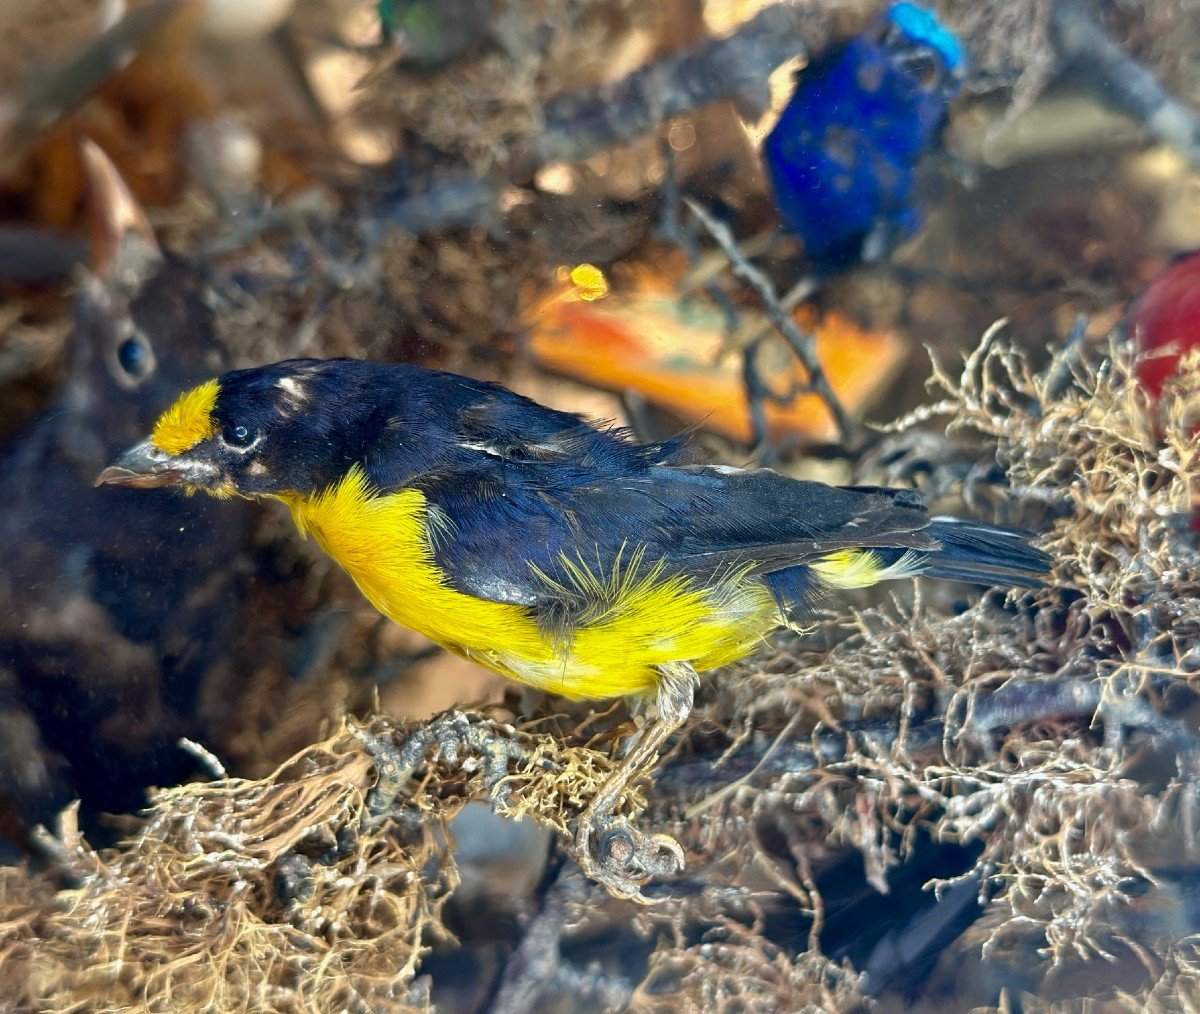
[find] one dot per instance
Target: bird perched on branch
(556, 553)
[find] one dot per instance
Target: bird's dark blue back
(524, 487)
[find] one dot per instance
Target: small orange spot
(188, 421)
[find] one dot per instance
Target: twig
(593, 986)
(208, 760)
(34, 256)
(1015, 703)
(453, 200)
(537, 957)
(736, 67)
(452, 735)
(1130, 87)
(756, 397)
(578, 125)
(802, 343)
(671, 228)
(581, 124)
(1062, 370)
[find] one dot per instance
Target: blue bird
(842, 159)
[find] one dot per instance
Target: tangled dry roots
(1054, 731)
(736, 971)
(284, 894)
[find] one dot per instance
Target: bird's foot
(621, 858)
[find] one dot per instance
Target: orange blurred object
(138, 119)
(642, 337)
(135, 110)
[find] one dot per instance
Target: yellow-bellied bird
(557, 553)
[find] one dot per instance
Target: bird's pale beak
(143, 466)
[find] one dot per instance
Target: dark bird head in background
(143, 329)
(108, 645)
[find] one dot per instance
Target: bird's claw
(622, 859)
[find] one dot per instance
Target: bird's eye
(239, 436)
(133, 356)
(921, 65)
(923, 69)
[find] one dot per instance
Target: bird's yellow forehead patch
(188, 421)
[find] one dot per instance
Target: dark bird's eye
(924, 70)
(238, 436)
(922, 66)
(134, 357)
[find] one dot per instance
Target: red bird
(1166, 317)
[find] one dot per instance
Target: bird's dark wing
(509, 522)
(455, 425)
(769, 522)
(526, 492)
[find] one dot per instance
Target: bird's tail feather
(980, 553)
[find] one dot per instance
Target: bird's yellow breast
(644, 618)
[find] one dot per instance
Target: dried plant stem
(802, 343)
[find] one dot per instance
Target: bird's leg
(625, 858)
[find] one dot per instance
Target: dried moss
(1049, 731)
(736, 970)
(287, 893)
